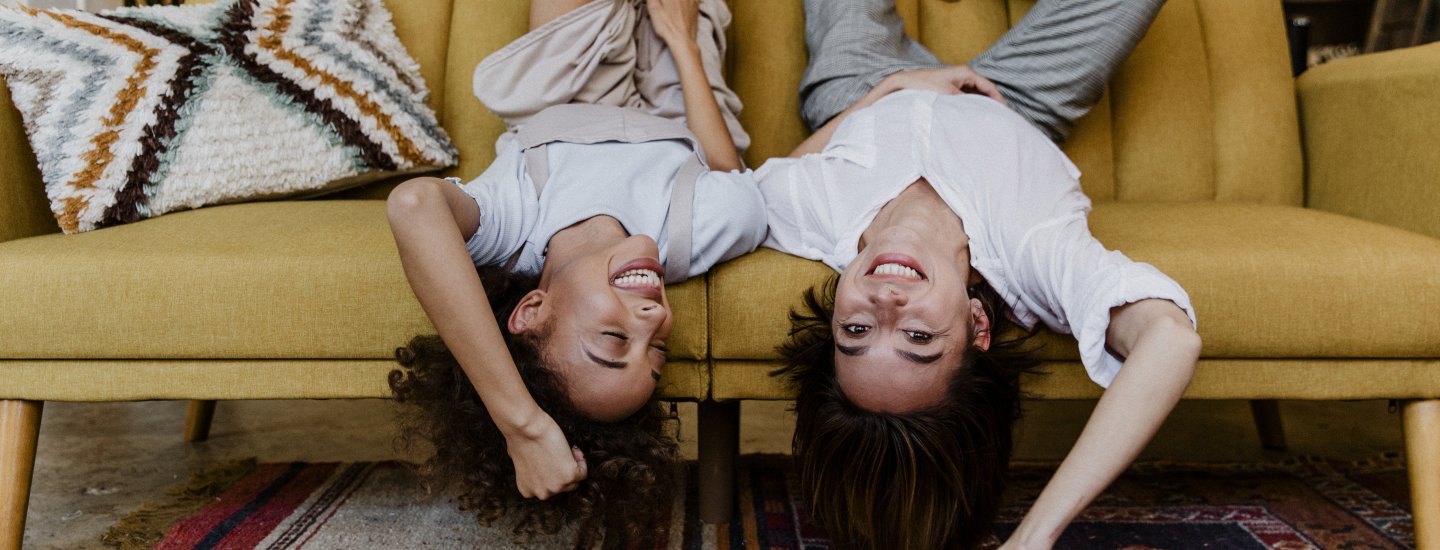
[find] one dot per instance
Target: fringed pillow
(137, 112)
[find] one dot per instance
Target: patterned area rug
(1306, 503)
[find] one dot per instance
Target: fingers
(985, 86)
(972, 82)
(582, 469)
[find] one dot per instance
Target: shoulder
(734, 197)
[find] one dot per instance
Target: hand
(675, 21)
(955, 79)
(545, 463)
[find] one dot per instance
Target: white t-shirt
(630, 182)
(1016, 193)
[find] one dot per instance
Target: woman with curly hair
(937, 194)
(619, 173)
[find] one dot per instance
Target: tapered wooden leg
(719, 445)
(1267, 422)
(197, 420)
(1422, 457)
(19, 431)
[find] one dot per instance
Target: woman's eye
(918, 336)
(617, 336)
(855, 330)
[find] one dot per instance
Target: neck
(586, 237)
(919, 208)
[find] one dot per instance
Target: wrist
(1027, 536)
(684, 50)
(520, 421)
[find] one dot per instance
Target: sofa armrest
(24, 210)
(1372, 131)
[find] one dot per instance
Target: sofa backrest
(1203, 110)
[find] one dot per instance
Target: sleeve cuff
(1132, 283)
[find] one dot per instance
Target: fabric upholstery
(24, 210)
(478, 28)
(280, 280)
(307, 299)
(81, 380)
(1317, 379)
(1266, 282)
(1371, 140)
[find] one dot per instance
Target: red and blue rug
(1306, 503)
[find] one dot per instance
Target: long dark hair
(930, 478)
(632, 463)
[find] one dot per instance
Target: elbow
(1184, 341)
(412, 199)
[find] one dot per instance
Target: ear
(527, 313)
(979, 325)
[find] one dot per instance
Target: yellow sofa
(1304, 219)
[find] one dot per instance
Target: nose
(888, 295)
(650, 311)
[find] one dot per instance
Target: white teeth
(637, 277)
(898, 270)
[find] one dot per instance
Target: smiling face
(903, 319)
(605, 319)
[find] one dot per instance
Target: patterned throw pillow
(137, 112)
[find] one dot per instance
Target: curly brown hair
(930, 478)
(632, 463)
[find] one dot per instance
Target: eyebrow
(921, 359)
(605, 362)
(909, 356)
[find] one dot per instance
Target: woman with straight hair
(939, 196)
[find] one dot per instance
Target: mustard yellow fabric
(478, 28)
(24, 210)
(1371, 137)
(1272, 282)
(78, 380)
(277, 280)
(1317, 379)
(424, 27)
(767, 56)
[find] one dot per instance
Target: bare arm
(1161, 349)
(431, 219)
(677, 22)
(958, 79)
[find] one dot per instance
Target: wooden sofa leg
(719, 445)
(1267, 422)
(197, 420)
(1422, 457)
(19, 431)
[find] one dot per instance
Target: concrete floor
(97, 462)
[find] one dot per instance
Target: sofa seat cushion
(275, 280)
(1267, 282)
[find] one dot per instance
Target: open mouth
(642, 276)
(898, 266)
(636, 278)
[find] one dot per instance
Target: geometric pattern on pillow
(137, 112)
